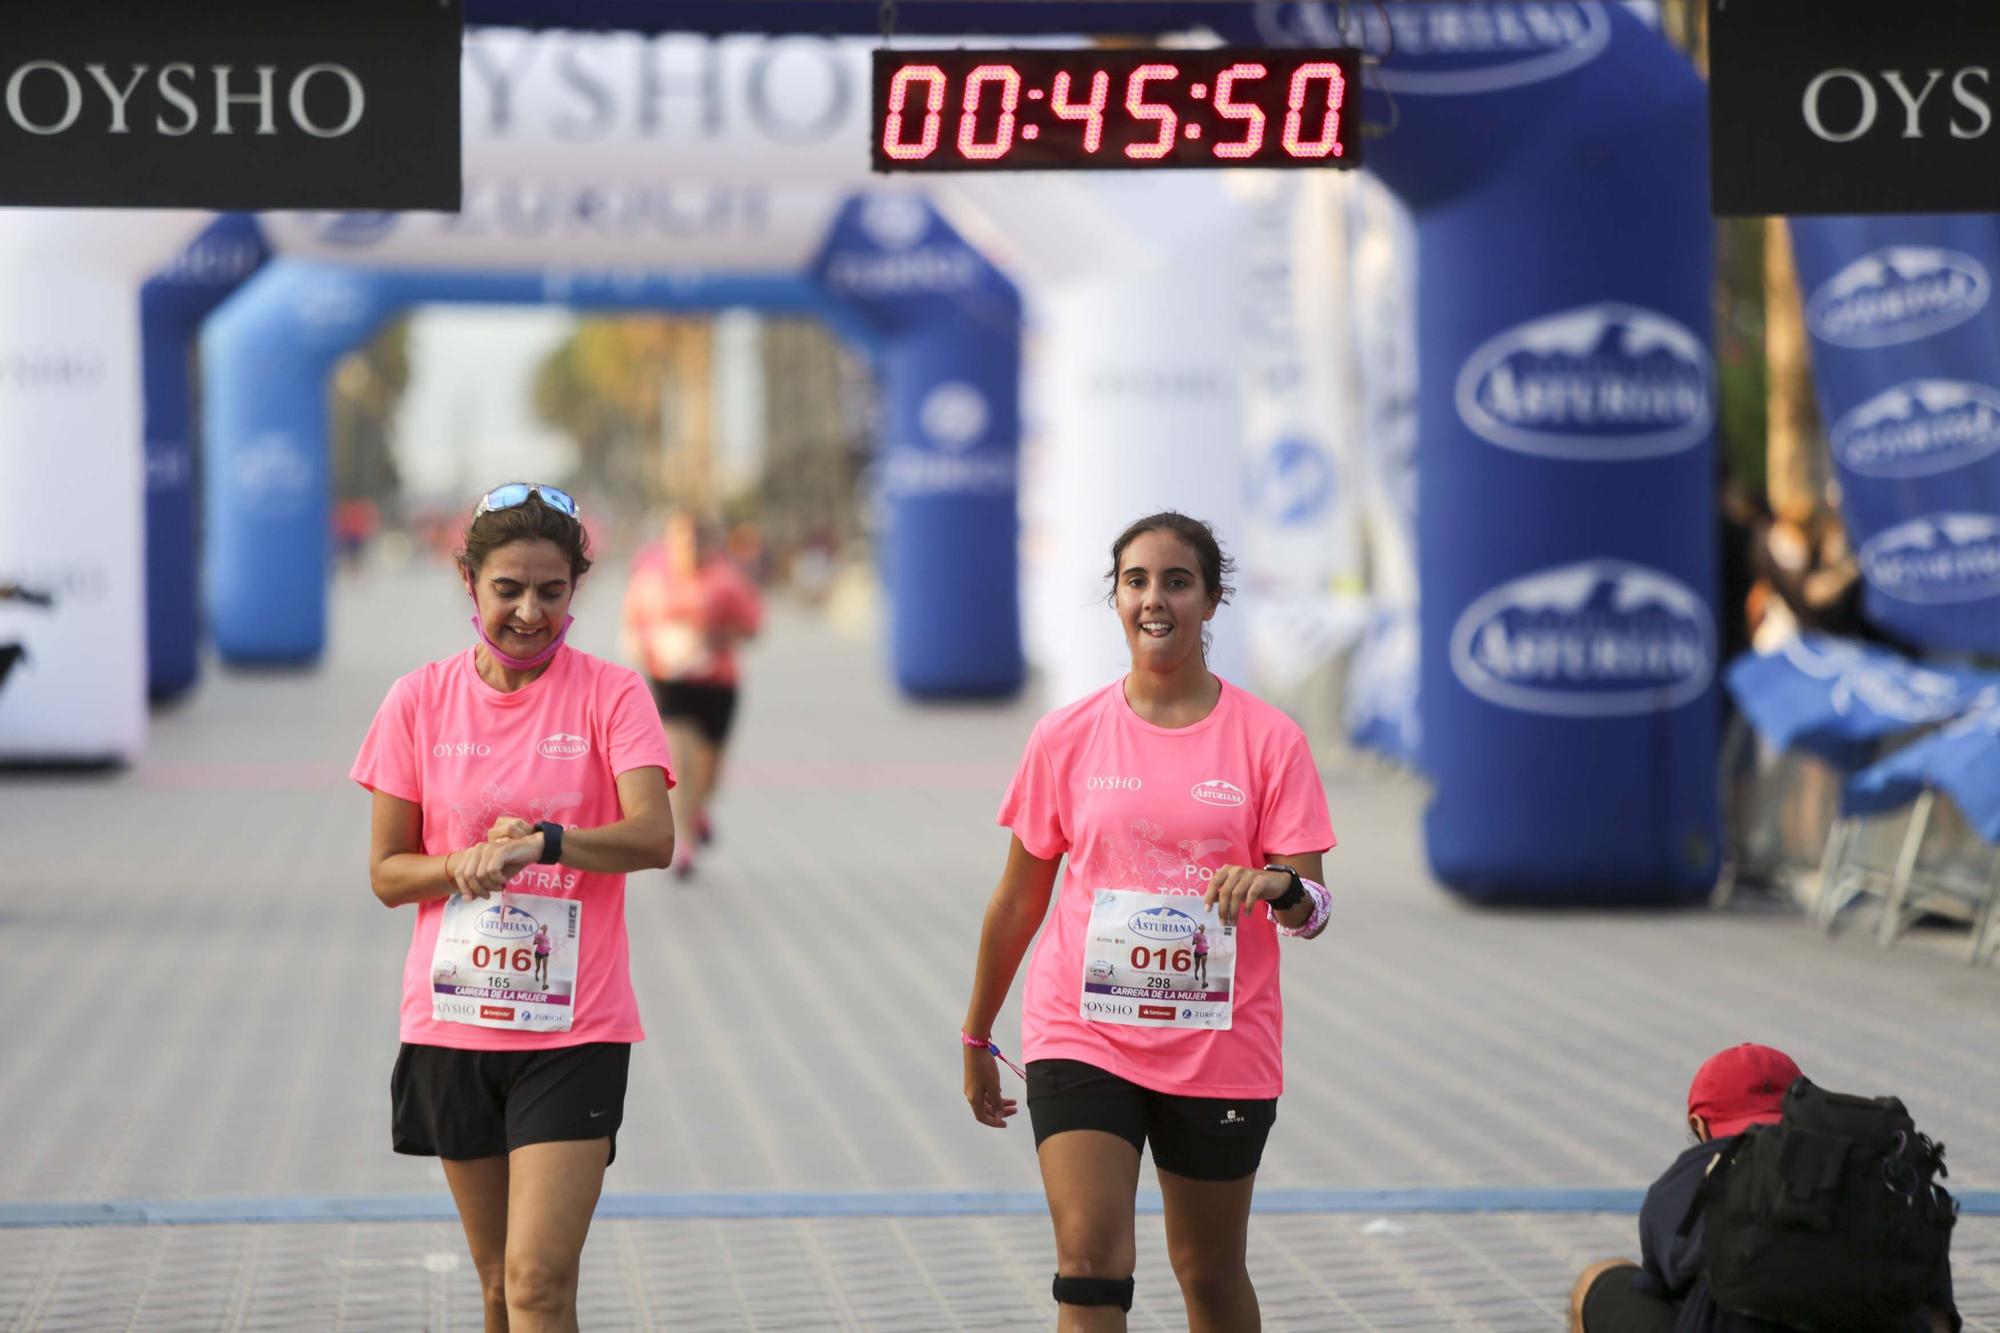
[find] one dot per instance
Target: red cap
(1739, 1087)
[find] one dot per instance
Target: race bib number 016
(1157, 960)
(508, 961)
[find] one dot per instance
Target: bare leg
(479, 1187)
(1208, 1231)
(553, 1188)
(1091, 1178)
(690, 782)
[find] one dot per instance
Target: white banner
(790, 110)
(513, 223)
(1144, 414)
(1301, 558)
(1381, 705)
(72, 514)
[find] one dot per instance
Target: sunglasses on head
(516, 493)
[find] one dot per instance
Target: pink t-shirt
(1159, 810)
(687, 627)
(467, 754)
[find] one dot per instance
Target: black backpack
(1831, 1220)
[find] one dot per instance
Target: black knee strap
(1094, 1291)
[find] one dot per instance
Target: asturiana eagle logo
(563, 745)
(1936, 558)
(501, 922)
(1599, 638)
(1898, 294)
(1919, 427)
(1161, 923)
(1217, 792)
(1604, 382)
(1468, 46)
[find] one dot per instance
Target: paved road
(200, 996)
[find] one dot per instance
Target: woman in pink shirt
(1183, 804)
(515, 785)
(687, 610)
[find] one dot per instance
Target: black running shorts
(711, 708)
(1202, 1138)
(469, 1104)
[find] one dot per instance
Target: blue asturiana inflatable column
(1906, 354)
(172, 306)
(949, 359)
(1566, 459)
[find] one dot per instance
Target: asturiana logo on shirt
(1161, 923)
(562, 745)
(1217, 792)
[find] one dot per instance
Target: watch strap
(1292, 896)
(552, 835)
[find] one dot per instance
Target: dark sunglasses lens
(558, 500)
(506, 497)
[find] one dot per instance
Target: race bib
(681, 650)
(508, 961)
(1157, 960)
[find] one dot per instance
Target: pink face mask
(507, 659)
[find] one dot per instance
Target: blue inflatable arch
(1566, 456)
(173, 305)
(947, 355)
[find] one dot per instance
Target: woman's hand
(982, 1089)
(510, 826)
(1235, 889)
(483, 869)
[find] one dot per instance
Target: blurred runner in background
(687, 607)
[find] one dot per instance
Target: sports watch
(1292, 896)
(551, 842)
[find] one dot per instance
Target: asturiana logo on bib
(501, 922)
(562, 745)
(1217, 792)
(1936, 558)
(1470, 46)
(1918, 428)
(1599, 638)
(1603, 382)
(1898, 294)
(1161, 923)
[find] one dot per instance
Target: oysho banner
(231, 104)
(1853, 106)
(1906, 354)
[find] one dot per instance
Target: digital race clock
(1054, 110)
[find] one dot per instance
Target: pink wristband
(1322, 907)
(992, 1048)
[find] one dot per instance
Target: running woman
(1201, 955)
(687, 609)
(542, 951)
(1183, 803)
(515, 785)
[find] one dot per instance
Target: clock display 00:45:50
(1199, 111)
